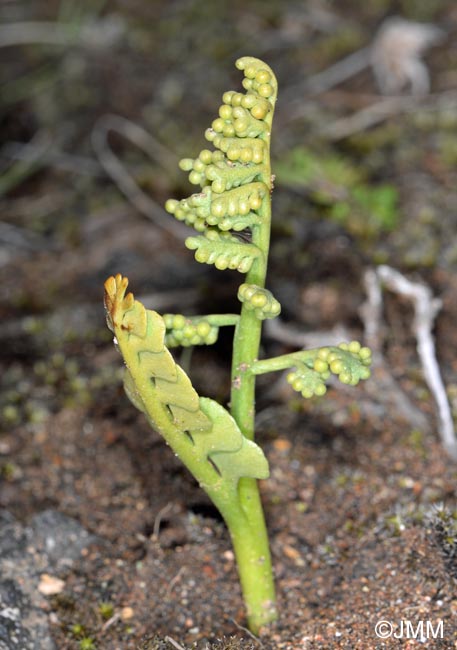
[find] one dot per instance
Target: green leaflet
(233, 455)
(223, 250)
(235, 178)
(313, 367)
(259, 300)
(200, 431)
(231, 210)
(188, 331)
(307, 381)
(348, 361)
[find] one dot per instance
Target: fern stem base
(250, 544)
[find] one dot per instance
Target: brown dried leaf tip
(116, 302)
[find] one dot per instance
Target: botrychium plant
(215, 444)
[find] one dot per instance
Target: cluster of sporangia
(187, 331)
(230, 197)
(349, 361)
(259, 300)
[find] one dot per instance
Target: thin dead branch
(119, 174)
(367, 117)
(371, 311)
(248, 632)
(279, 331)
(158, 520)
(66, 162)
(385, 389)
(394, 56)
(38, 33)
(426, 307)
(174, 643)
(103, 32)
(16, 171)
(173, 582)
(330, 77)
(385, 108)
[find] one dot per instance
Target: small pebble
(126, 613)
(281, 444)
(50, 585)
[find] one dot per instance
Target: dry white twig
(367, 117)
(158, 520)
(385, 108)
(395, 59)
(371, 311)
(385, 389)
(173, 581)
(174, 643)
(125, 182)
(426, 307)
(396, 52)
(248, 632)
(111, 621)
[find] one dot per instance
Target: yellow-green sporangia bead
(320, 365)
(186, 164)
(365, 353)
(336, 366)
(246, 155)
(203, 328)
(227, 96)
(206, 156)
(199, 165)
(225, 112)
(249, 100)
(171, 205)
(250, 72)
(265, 90)
(233, 153)
(228, 130)
(237, 98)
(263, 77)
(258, 112)
(218, 125)
(195, 177)
(179, 321)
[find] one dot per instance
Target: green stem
(248, 330)
(283, 362)
(216, 320)
(221, 320)
(250, 540)
(252, 553)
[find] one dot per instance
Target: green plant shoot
(216, 445)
